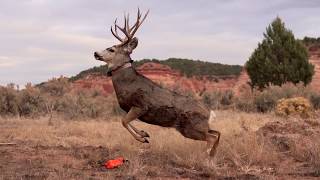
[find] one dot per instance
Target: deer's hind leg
(133, 114)
(213, 138)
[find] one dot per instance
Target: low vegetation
(255, 100)
(57, 97)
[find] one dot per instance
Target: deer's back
(161, 106)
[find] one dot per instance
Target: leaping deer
(145, 100)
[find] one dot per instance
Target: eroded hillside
(186, 76)
(314, 52)
(183, 80)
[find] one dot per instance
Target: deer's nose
(97, 56)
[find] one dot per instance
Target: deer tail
(212, 118)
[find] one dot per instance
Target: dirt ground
(253, 146)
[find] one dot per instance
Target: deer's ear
(132, 45)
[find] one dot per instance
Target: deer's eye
(109, 49)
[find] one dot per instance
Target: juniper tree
(279, 58)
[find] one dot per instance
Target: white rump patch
(212, 118)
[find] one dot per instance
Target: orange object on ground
(114, 163)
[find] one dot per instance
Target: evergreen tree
(280, 58)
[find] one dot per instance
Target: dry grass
(169, 154)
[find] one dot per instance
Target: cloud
(6, 62)
(45, 38)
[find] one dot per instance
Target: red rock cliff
(163, 75)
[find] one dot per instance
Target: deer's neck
(123, 79)
(124, 66)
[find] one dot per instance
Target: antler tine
(124, 31)
(138, 23)
(115, 34)
(128, 27)
(145, 16)
(125, 22)
(139, 13)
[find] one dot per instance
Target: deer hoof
(145, 134)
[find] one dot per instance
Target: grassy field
(74, 149)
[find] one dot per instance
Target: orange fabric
(114, 163)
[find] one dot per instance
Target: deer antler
(127, 30)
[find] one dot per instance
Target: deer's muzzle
(97, 56)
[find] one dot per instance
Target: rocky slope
(164, 76)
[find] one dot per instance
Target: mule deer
(144, 100)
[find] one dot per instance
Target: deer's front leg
(133, 114)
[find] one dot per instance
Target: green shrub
(265, 101)
(9, 101)
(84, 105)
(55, 86)
(218, 99)
(75, 106)
(31, 102)
(227, 98)
(245, 104)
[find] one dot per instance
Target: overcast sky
(41, 39)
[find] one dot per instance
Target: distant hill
(100, 70)
(310, 41)
(186, 67)
(196, 67)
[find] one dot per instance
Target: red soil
(315, 60)
(163, 75)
